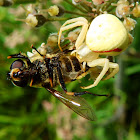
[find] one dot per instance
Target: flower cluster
(123, 9)
(36, 16)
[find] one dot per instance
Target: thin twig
(75, 13)
(82, 10)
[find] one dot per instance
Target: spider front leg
(104, 62)
(69, 24)
(115, 66)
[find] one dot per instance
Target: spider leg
(75, 23)
(62, 83)
(104, 62)
(115, 66)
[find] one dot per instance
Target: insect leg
(50, 70)
(36, 50)
(86, 92)
(62, 83)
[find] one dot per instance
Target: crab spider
(106, 35)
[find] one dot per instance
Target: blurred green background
(34, 114)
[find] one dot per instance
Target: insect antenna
(36, 50)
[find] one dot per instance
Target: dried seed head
(75, 2)
(41, 20)
(123, 2)
(52, 40)
(97, 2)
(29, 9)
(130, 38)
(31, 20)
(129, 23)
(136, 10)
(123, 8)
(72, 36)
(61, 11)
(34, 20)
(53, 10)
(6, 3)
(42, 49)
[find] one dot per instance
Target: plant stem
(82, 10)
(88, 9)
(120, 75)
(75, 13)
(24, 1)
(57, 19)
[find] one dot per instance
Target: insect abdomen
(71, 67)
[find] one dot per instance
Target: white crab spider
(106, 35)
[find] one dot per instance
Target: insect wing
(77, 104)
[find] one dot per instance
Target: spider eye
(17, 64)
